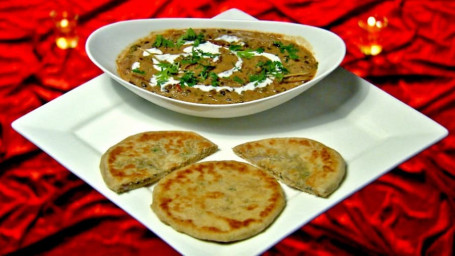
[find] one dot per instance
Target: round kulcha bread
(301, 163)
(142, 159)
(220, 201)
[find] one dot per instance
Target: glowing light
(65, 29)
(371, 21)
(373, 49)
(64, 23)
(371, 39)
(374, 23)
(66, 42)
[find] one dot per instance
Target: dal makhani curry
(216, 66)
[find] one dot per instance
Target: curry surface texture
(216, 66)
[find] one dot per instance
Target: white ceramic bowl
(105, 44)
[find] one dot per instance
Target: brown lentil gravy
(216, 66)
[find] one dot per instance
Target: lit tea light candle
(374, 23)
(65, 29)
(370, 44)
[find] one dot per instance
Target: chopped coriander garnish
(258, 78)
(269, 68)
(205, 71)
(194, 58)
(238, 80)
(138, 71)
(161, 41)
(190, 35)
(208, 54)
(274, 68)
(215, 79)
(247, 54)
(167, 70)
(260, 50)
(188, 78)
(235, 47)
(290, 49)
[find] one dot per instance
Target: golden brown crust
(220, 201)
(142, 159)
(301, 163)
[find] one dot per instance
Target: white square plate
(372, 130)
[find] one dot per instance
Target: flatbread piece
(301, 163)
(221, 201)
(142, 159)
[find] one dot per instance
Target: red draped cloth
(47, 210)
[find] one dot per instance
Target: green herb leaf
(138, 71)
(290, 49)
(167, 70)
(238, 80)
(188, 78)
(260, 50)
(235, 47)
(160, 41)
(215, 79)
(190, 35)
(208, 54)
(258, 78)
(205, 71)
(269, 69)
(247, 54)
(194, 58)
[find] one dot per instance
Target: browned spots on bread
(214, 194)
(235, 224)
(300, 163)
(141, 159)
(218, 200)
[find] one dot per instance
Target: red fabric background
(46, 210)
